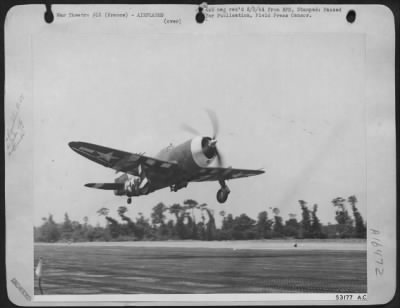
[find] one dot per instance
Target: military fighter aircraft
(174, 166)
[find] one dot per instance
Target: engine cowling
(198, 152)
(203, 150)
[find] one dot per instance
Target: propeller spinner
(209, 144)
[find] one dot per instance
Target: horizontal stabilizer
(107, 186)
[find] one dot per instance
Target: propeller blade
(220, 160)
(214, 121)
(190, 129)
(212, 143)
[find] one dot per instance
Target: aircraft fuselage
(190, 155)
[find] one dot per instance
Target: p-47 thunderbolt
(173, 166)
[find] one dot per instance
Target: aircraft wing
(215, 174)
(124, 161)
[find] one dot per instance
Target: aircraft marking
(84, 149)
(238, 175)
(134, 157)
(107, 157)
(226, 172)
(150, 162)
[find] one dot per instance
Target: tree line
(182, 222)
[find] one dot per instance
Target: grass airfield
(179, 267)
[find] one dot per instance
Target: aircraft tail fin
(106, 186)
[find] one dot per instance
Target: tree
(50, 230)
(360, 228)
(97, 234)
(184, 226)
(345, 223)
(85, 222)
(113, 226)
(292, 227)
(66, 229)
(77, 231)
(103, 211)
(210, 226)
(201, 227)
(244, 228)
(122, 210)
(305, 230)
(157, 215)
(263, 225)
(226, 228)
(177, 210)
(340, 210)
(278, 226)
(316, 228)
(158, 221)
(143, 229)
(227, 223)
(192, 205)
(127, 229)
(171, 231)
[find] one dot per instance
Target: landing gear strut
(223, 192)
(129, 201)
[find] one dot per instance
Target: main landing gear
(129, 201)
(223, 192)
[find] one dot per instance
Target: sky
(291, 104)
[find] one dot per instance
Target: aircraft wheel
(129, 201)
(222, 196)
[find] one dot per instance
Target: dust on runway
(113, 269)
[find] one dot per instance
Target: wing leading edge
(124, 161)
(216, 174)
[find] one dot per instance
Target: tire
(222, 196)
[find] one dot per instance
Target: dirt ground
(203, 267)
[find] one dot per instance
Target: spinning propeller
(211, 146)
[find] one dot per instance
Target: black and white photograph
(200, 153)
